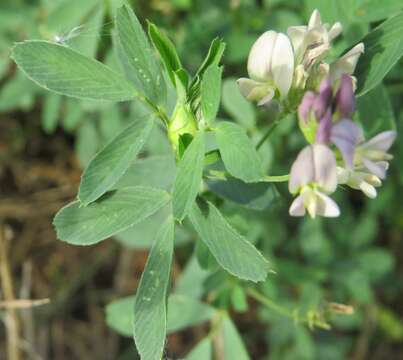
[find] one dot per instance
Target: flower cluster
(291, 70)
(337, 153)
(280, 66)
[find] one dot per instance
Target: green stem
(267, 133)
(276, 178)
(311, 321)
(270, 304)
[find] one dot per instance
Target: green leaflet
(233, 345)
(375, 10)
(114, 212)
(156, 171)
(109, 165)
(64, 71)
(188, 177)
(236, 105)
(50, 114)
(166, 49)
(375, 111)
(383, 48)
(231, 250)
(213, 57)
(257, 196)
(202, 351)
(238, 153)
(211, 93)
(140, 62)
(150, 313)
(183, 312)
(354, 11)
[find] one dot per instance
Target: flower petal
(260, 57)
(345, 99)
(324, 128)
(377, 168)
(368, 189)
(246, 86)
(255, 91)
(302, 170)
(325, 172)
(283, 64)
(335, 31)
(326, 206)
(267, 98)
(297, 37)
(347, 63)
(314, 20)
(323, 99)
(383, 141)
(306, 106)
(346, 134)
(297, 207)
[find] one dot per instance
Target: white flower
(347, 63)
(373, 154)
(270, 68)
(313, 175)
(311, 43)
(359, 180)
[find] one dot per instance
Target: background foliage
(46, 139)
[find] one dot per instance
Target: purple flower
(346, 134)
(373, 154)
(359, 179)
(324, 99)
(323, 131)
(304, 109)
(345, 99)
(313, 175)
(318, 123)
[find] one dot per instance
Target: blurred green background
(46, 139)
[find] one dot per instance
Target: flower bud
(346, 134)
(182, 122)
(323, 99)
(271, 59)
(311, 43)
(324, 128)
(347, 63)
(270, 68)
(307, 122)
(345, 99)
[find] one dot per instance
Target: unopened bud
(345, 99)
(182, 122)
(323, 99)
